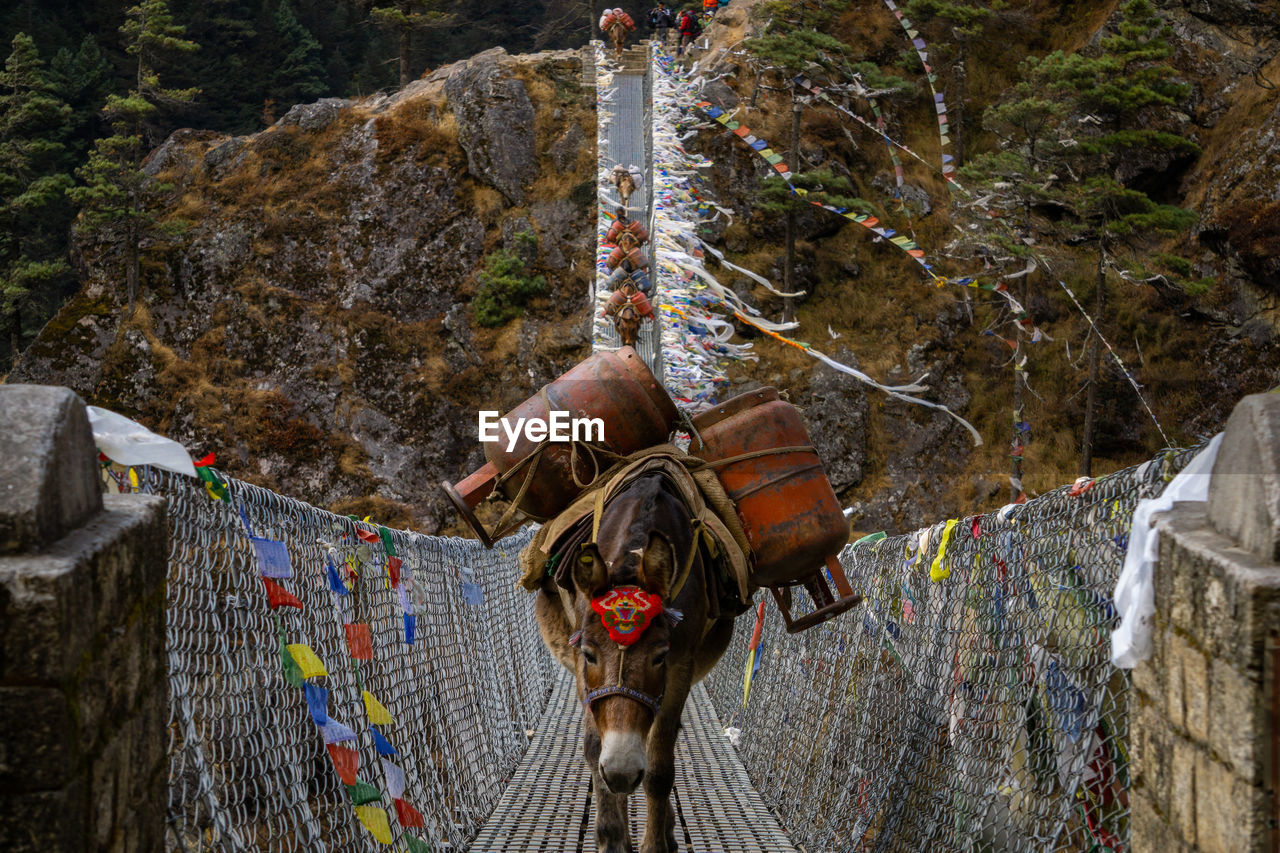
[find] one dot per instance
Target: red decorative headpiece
(626, 612)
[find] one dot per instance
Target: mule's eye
(660, 658)
(590, 656)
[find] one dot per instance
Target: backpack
(695, 26)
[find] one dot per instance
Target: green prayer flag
(387, 544)
(292, 672)
(362, 792)
(414, 845)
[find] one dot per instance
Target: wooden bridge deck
(548, 804)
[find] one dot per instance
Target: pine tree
(299, 74)
(403, 18)
(117, 199)
(33, 208)
(83, 79)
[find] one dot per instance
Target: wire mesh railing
(969, 703)
(336, 686)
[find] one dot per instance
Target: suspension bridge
(967, 704)
(339, 686)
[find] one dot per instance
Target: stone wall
(84, 705)
(1203, 710)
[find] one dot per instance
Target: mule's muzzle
(622, 761)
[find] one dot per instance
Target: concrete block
(1244, 491)
(1235, 720)
(54, 486)
(1182, 792)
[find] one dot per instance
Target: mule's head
(622, 660)
(627, 322)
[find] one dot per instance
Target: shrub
(505, 285)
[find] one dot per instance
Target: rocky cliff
(312, 324)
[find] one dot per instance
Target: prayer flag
(278, 596)
(362, 792)
(408, 816)
(378, 713)
(346, 761)
(395, 779)
(359, 641)
(374, 819)
(307, 660)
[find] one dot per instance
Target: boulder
(495, 124)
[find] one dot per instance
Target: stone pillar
(84, 701)
(1204, 708)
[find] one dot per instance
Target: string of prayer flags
(278, 596)
(307, 661)
(378, 713)
(939, 104)
(374, 819)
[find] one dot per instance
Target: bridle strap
(650, 702)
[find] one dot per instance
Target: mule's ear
(589, 574)
(658, 565)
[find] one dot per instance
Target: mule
(627, 319)
(634, 667)
(626, 186)
(618, 36)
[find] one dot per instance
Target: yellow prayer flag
(374, 819)
(307, 661)
(378, 713)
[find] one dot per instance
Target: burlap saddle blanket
(710, 510)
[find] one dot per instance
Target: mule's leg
(660, 776)
(613, 831)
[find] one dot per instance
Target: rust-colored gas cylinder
(763, 457)
(615, 387)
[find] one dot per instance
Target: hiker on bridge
(662, 20)
(690, 29)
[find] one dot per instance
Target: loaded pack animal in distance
(615, 24)
(647, 553)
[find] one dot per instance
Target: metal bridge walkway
(625, 120)
(548, 804)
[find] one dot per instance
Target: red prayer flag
(278, 596)
(359, 642)
(408, 816)
(393, 570)
(367, 535)
(346, 761)
(206, 461)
